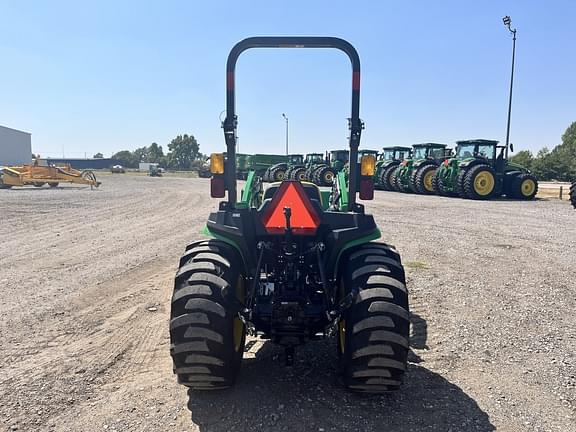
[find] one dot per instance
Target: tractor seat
(311, 190)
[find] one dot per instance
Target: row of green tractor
(317, 168)
(477, 169)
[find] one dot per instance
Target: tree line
(183, 154)
(556, 164)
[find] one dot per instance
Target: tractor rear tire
(424, 179)
(38, 184)
(480, 182)
(206, 334)
(573, 194)
(277, 174)
(266, 176)
(53, 185)
(324, 176)
(386, 178)
(524, 187)
(298, 174)
(373, 334)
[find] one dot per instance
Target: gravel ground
(86, 277)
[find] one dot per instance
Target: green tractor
(279, 171)
(325, 173)
(297, 171)
(388, 161)
(573, 194)
(477, 172)
(292, 264)
(416, 174)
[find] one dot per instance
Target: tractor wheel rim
(484, 183)
(280, 176)
(302, 176)
(238, 325)
(528, 187)
(428, 180)
(328, 177)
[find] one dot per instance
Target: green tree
(523, 158)
(126, 158)
(155, 153)
(98, 156)
(141, 154)
(184, 149)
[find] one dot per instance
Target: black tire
(373, 336)
(53, 185)
(439, 186)
(523, 186)
(394, 180)
(309, 173)
(324, 176)
(421, 179)
(474, 188)
(38, 184)
(266, 175)
(573, 194)
(277, 174)
(298, 174)
(207, 337)
(385, 178)
(459, 186)
(400, 187)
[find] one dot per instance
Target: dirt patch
(86, 278)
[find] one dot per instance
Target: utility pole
(507, 22)
(286, 118)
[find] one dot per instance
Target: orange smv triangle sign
(304, 219)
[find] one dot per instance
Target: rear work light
(217, 187)
(367, 165)
(446, 162)
(217, 163)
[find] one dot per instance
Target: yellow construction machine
(37, 175)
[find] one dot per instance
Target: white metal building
(15, 147)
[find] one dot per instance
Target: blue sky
(84, 77)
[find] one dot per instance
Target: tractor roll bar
(230, 123)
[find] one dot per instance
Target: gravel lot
(86, 277)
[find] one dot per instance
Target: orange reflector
(366, 189)
(217, 187)
(304, 219)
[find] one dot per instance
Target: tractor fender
(423, 162)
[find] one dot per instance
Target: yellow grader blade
(40, 175)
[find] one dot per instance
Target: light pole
(507, 22)
(286, 118)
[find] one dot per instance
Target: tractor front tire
(373, 333)
(524, 187)
(206, 334)
(424, 180)
(277, 174)
(439, 186)
(394, 180)
(480, 182)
